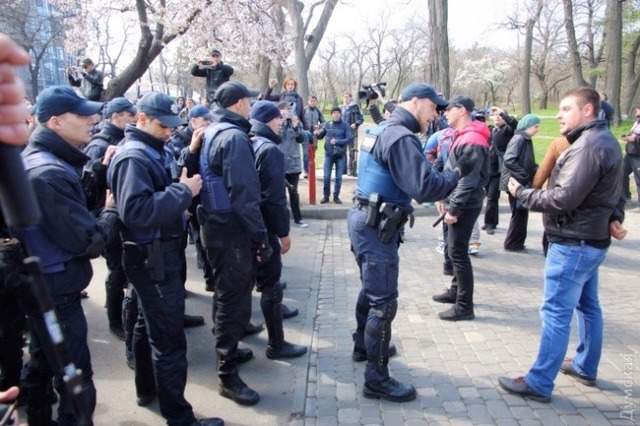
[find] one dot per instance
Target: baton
(440, 219)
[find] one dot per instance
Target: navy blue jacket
(409, 168)
(66, 220)
(108, 135)
(339, 130)
(271, 172)
(351, 114)
(142, 202)
(231, 156)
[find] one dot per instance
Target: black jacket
(472, 141)
(180, 140)
(271, 172)
(66, 219)
(108, 135)
(406, 162)
(231, 156)
(584, 191)
(500, 137)
(215, 76)
(91, 84)
(519, 161)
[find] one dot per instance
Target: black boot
(389, 389)
(277, 348)
(252, 329)
(287, 312)
(193, 321)
(232, 387)
(285, 350)
(457, 313)
(243, 355)
(360, 353)
(209, 421)
(448, 296)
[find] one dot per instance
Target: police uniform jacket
(108, 135)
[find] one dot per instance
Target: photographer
(338, 137)
(352, 115)
(215, 71)
(292, 135)
(631, 163)
(88, 78)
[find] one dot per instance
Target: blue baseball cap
(58, 100)
(200, 111)
(158, 105)
(422, 91)
(265, 111)
(231, 92)
(119, 105)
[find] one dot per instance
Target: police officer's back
(233, 231)
(152, 208)
(392, 171)
(119, 112)
(65, 240)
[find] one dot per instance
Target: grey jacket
(584, 191)
(291, 137)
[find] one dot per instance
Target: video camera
(370, 92)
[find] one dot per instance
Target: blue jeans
(570, 283)
(340, 163)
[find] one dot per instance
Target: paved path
(453, 365)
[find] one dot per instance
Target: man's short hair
(283, 105)
(87, 61)
(313, 97)
(585, 95)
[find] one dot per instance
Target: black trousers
(294, 196)
(159, 342)
(631, 165)
(493, 197)
(233, 263)
(458, 236)
(12, 325)
(115, 284)
(517, 232)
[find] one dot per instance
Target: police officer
(392, 171)
(119, 112)
(233, 232)
(66, 239)
(152, 211)
(266, 124)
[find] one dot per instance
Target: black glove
(466, 163)
(264, 251)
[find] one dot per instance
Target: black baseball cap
(200, 111)
(158, 105)
(58, 100)
(422, 91)
(231, 92)
(119, 105)
(462, 102)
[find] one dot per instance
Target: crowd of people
(135, 182)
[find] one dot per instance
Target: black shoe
(337, 200)
(283, 285)
(522, 249)
(117, 331)
(243, 355)
(484, 227)
(209, 421)
(287, 312)
(285, 350)
(448, 272)
(84, 295)
(193, 321)
(144, 400)
(131, 363)
(491, 231)
(447, 296)
(234, 388)
(252, 329)
(567, 368)
(360, 355)
(389, 389)
(455, 313)
(209, 287)
(519, 387)
(324, 200)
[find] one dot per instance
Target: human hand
(196, 140)
(616, 230)
(194, 183)
(13, 110)
(108, 154)
(273, 83)
(513, 186)
(285, 244)
(449, 219)
(332, 141)
(110, 200)
(353, 126)
(441, 207)
(9, 397)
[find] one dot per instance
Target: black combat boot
(448, 296)
(277, 348)
(232, 387)
(389, 389)
(287, 312)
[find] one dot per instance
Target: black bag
(633, 148)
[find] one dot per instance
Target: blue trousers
(329, 162)
(378, 263)
(570, 283)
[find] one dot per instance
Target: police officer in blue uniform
(68, 236)
(119, 112)
(266, 123)
(392, 171)
(232, 230)
(152, 209)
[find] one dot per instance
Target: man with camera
(631, 162)
(338, 136)
(392, 171)
(88, 78)
(214, 70)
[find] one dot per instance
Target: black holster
(146, 257)
(393, 219)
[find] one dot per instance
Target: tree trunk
(573, 44)
(264, 71)
(525, 83)
(439, 45)
(34, 71)
(632, 76)
(614, 55)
